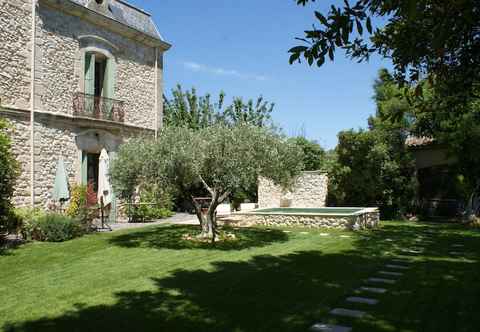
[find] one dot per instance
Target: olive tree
(219, 158)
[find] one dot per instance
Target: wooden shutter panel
(109, 81)
(113, 211)
(90, 73)
(84, 168)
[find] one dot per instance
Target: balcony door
(99, 85)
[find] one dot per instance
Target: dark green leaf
(369, 25)
(298, 49)
(321, 18)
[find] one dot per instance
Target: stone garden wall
(310, 191)
(369, 219)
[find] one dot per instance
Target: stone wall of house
(60, 47)
(309, 191)
(62, 66)
(15, 53)
(53, 140)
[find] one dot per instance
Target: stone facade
(368, 218)
(309, 191)
(66, 31)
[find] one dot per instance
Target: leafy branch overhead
(423, 38)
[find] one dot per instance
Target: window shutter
(84, 168)
(109, 81)
(90, 73)
(113, 211)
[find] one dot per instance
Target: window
(99, 75)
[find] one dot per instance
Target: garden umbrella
(104, 187)
(60, 190)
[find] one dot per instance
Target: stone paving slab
(381, 280)
(320, 327)
(397, 267)
(373, 290)
(362, 300)
(324, 234)
(456, 253)
(411, 251)
(348, 313)
(394, 274)
(400, 261)
(458, 245)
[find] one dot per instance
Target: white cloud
(198, 67)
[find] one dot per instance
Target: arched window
(100, 72)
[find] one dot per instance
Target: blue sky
(241, 47)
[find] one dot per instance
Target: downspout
(32, 105)
(156, 93)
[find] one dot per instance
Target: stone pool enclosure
(304, 204)
(342, 218)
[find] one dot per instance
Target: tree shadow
(290, 292)
(266, 293)
(171, 237)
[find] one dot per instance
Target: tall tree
(374, 166)
(186, 108)
(221, 159)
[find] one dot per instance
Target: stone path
(362, 300)
(177, 219)
(348, 313)
(391, 269)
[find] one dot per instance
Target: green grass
(269, 280)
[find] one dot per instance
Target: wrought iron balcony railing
(90, 106)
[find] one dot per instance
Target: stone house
(97, 73)
(438, 187)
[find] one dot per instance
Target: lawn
(268, 280)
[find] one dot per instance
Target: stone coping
(356, 213)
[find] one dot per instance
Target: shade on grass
(151, 280)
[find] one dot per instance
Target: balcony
(100, 108)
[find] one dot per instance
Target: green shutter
(90, 73)
(84, 168)
(113, 211)
(109, 80)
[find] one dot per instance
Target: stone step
(381, 280)
(397, 267)
(348, 313)
(373, 290)
(457, 246)
(362, 300)
(320, 327)
(394, 274)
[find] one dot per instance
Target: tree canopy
(187, 108)
(313, 154)
(219, 158)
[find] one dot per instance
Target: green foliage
(57, 228)
(187, 109)
(374, 167)
(313, 154)
(435, 50)
(223, 160)
(154, 204)
(28, 222)
(80, 208)
(38, 225)
(9, 171)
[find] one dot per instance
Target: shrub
(58, 228)
(28, 222)
(9, 171)
(82, 208)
